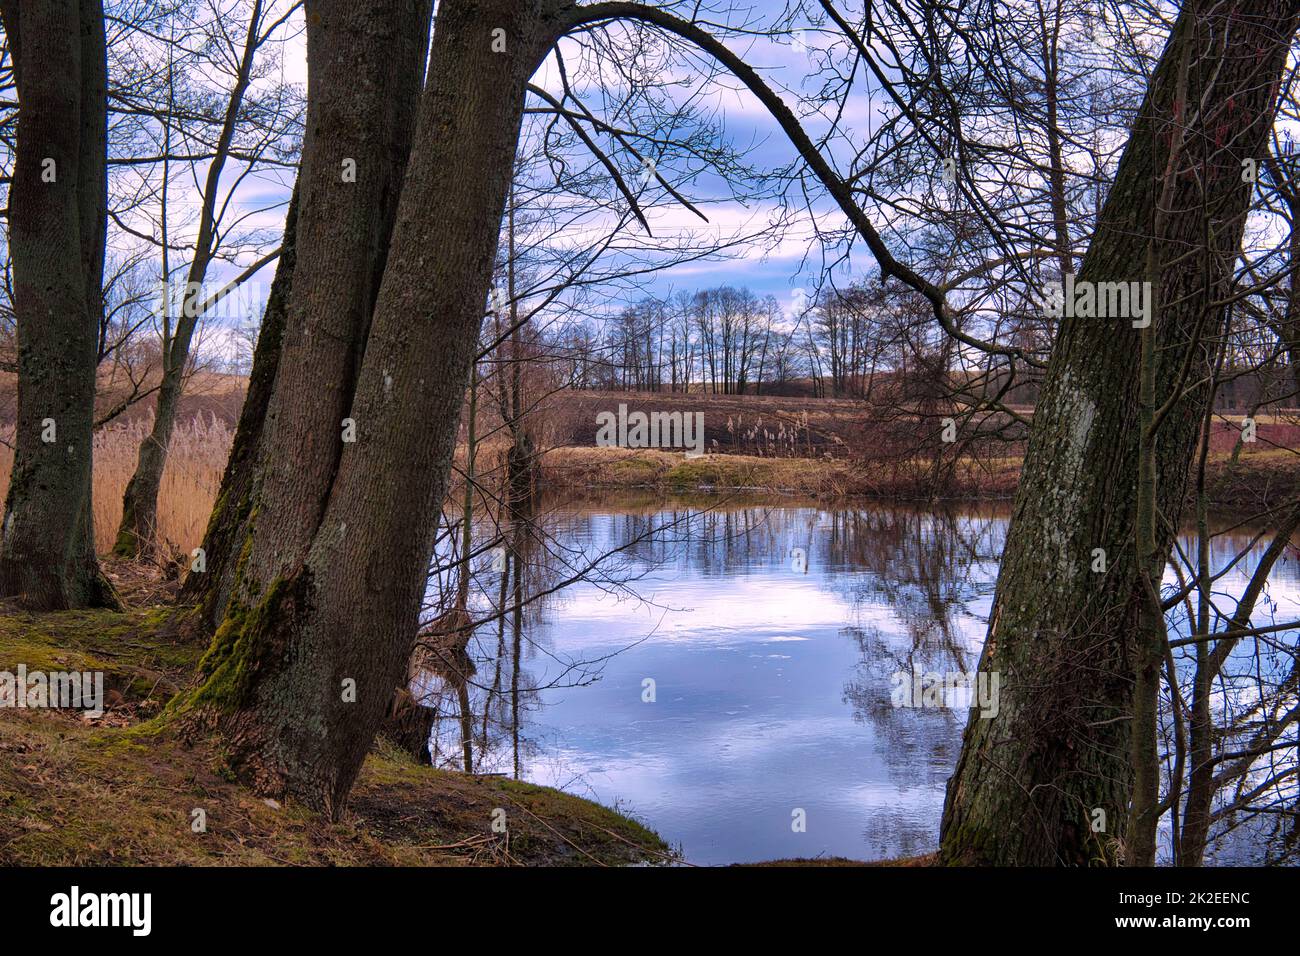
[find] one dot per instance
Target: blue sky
(779, 271)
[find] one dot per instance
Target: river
(727, 669)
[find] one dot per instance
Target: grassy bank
(820, 448)
(115, 790)
(1259, 480)
(814, 477)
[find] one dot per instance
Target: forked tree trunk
(365, 65)
(1030, 781)
(300, 674)
(57, 202)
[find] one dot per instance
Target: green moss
(157, 618)
(105, 796)
(125, 645)
(97, 795)
(218, 507)
(238, 650)
(245, 551)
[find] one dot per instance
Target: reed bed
(190, 481)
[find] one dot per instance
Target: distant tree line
(728, 340)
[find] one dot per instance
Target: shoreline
(1258, 482)
(122, 789)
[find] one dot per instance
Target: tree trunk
(137, 534)
(298, 681)
(365, 68)
(93, 190)
(57, 202)
(408, 724)
(365, 65)
(209, 590)
(1030, 780)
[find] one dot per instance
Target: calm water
(770, 631)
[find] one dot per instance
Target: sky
(787, 266)
(784, 269)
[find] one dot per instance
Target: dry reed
(190, 481)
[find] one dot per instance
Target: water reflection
(716, 667)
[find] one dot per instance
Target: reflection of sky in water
(772, 684)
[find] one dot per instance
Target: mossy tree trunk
(302, 669)
(1063, 638)
(365, 68)
(57, 203)
(209, 589)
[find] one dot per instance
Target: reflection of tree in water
(481, 703)
(477, 681)
(890, 833)
(928, 570)
(718, 542)
(482, 692)
(918, 583)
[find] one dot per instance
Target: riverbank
(110, 790)
(752, 439)
(1259, 480)
(593, 467)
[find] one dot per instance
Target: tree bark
(342, 616)
(365, 65)
(93, 191)
(209, 590)
(57, 202)
(1062, 637)
(365, 68)
(137, 533)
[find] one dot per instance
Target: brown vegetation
(792, 445)
(117, 789)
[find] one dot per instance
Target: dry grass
(190, 482)
(80, 791)
(825, 477)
